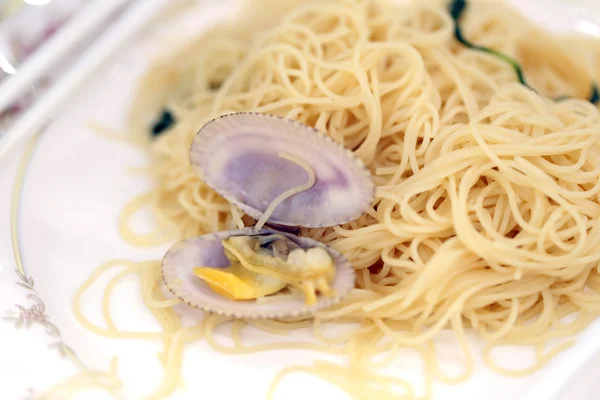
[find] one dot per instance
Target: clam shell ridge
(207, 251)
(238, 155)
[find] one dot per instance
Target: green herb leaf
(457, 8)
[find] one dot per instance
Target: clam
(187, 270)
(240, 156)
(284, 174)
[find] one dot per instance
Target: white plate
(74, 190)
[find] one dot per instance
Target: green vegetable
(457, 8)
(166, 121)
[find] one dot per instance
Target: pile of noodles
(487, 208)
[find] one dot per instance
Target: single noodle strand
(290, 192)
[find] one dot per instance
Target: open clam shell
(207, 251)
(239, 156)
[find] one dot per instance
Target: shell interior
(183, 257)
(239, 156)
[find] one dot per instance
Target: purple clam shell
(238, 156)
(207, 251)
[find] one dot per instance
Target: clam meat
(263, 265)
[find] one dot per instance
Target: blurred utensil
(78, 29)
(134, 18)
